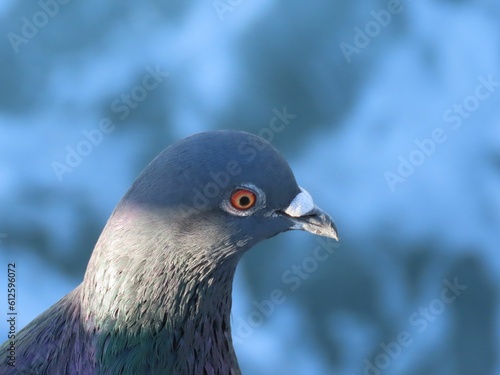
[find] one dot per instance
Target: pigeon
(156, 295)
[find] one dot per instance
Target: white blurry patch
(301, 204)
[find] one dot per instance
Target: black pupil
(244, 201)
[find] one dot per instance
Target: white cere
(301, 204)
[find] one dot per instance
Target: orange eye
(243, 199)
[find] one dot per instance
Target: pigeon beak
(305, 215)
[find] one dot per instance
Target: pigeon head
(230, 188)
(158, 285)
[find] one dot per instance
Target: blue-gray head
(158, 286)
(232, 182)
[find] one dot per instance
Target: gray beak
(305, 215)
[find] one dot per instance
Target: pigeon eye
(243, 199)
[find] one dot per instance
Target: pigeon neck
(181, 298)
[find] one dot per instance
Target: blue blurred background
(388, 112)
